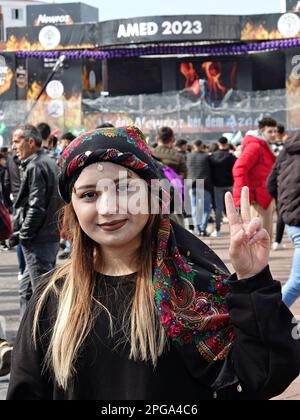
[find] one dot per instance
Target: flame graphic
(22, 44)
(34, 90)
(259, 32)
(190, 74)
(213, 75)
(192, 80)
(7, 81)
(86, 82)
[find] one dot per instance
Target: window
(17, 14)
(1, 28)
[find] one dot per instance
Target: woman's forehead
(104, 170)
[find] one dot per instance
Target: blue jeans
(219, 199)
(40, 258)
(291, 290)
(200, 218)
(21, 259)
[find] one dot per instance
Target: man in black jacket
(199, 168)
(284, 184)
(12, 179)
(222, 162)
(36, 209)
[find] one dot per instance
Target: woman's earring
(99, 167)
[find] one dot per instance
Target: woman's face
(109, 201)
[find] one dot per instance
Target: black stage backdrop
(168, 28)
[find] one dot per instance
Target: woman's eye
(89, 196)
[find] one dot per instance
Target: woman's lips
(113, 226)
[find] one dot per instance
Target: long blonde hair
(73, 285)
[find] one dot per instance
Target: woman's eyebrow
(84, 187)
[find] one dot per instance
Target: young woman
(143, 309)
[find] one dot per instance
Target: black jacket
(5, 192)
(222, 163)
(12, 179)
(264, 358)
(284, 182)
(199, 167)
(38, 202)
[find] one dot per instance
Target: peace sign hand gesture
(250, 244)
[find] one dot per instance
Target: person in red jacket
(253, 168)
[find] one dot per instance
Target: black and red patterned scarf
(190, 281)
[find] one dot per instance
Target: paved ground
(9, 306)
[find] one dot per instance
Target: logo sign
(55, 89)
(289, 25)
(49, 37)
(54, 20)
(56, 108)
(166, 28)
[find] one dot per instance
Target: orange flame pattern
(22, 44)
(34, 90)
(259, 32)
(213, 75)
(190, 74)
(86, 82)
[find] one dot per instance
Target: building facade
(13, 13)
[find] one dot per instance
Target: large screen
(210, 79)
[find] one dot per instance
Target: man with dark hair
(65, 140)
(3, 171)
(36, 209)
(167, 154)
(278, 146)
(4, 151)
(253, 168)
(280, 140)
(105, 125)
(222, 162)
(199, 168)
(45, 132)
(182, 148)
(4, 193)
(5, 346)
(12, 181)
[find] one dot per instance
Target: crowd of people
(37, 179)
